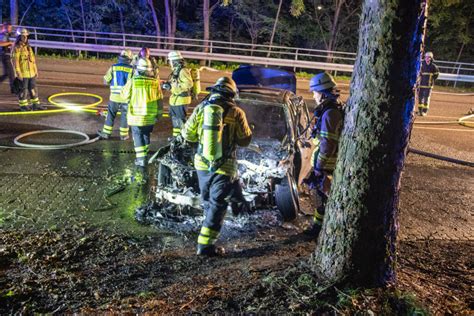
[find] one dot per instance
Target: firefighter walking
(117, 76)
(180, 84)
(428, 74)
(24, 65)
(6, 55)
(145, 106)
(218, 125)
(326, 132)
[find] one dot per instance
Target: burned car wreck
(270, 168)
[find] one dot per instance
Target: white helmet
(126, 53)
(143, 65)
(429, 54)
(22, 31)
(175, 55)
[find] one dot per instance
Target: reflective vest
(181, 88)
(145, 100)
(326, 133)
(236, 132)
(429, 73)
(23, 60)
(117, 76)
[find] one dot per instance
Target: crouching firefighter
(180, 84)
(326, 132)
(117, 76)
(218, 125)
(145, 106)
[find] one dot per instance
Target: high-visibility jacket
(23, 60)
(117, 76)
(429, 73)
(181, 87)
(145, 100)
(236, 133)
(326, 133)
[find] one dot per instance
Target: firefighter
(145, 106)
(218, 126)
(180, 84)
(24, 65)
(117, 76)
(326, 132)
(145, 53)
(429, 73)
(5, 52)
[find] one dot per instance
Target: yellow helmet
(22, 31)
(143, 64)
(429, 54)
(175, 55)
(126, 53)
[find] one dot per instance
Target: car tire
(163, 175)
(286, 198)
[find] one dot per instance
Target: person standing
(5, 52)
(428, 74)
(180, 84)
(117, 76)
(218, 125)
(326, 132)
(145, 106)
(24, 65)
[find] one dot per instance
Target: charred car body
(270, 168)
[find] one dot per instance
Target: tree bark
(14, 12)
(168, 20)
(357, 242)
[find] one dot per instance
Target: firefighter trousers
(28, 86)
(112, 109)
(178, 118)
(141, 140)
(215, 191)
(424, 99)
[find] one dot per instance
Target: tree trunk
(14, 12)
(333, 31)
(168, 20)
(206, 15)
(156, 22)
(274, 27)
(357, 242)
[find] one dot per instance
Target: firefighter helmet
(175, 55)
(321, 82)
(144, 64)
(429, 54)
(126, 53)
(22, 31)
(224, 85)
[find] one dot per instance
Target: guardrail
(106, 42)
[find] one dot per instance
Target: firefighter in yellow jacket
(428, 74)
(145, 106)
(218, 125)
(326, 132)
(24, 66)
(180, 84)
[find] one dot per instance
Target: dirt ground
(69, 240)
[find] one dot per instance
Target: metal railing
(303, 58)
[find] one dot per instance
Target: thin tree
(155, 22)
(360, 227)
(14, 12)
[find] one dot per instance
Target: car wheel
(163, 175)
(286, 198)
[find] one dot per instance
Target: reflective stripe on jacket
(181, 88)
(145, 100)
(328, 131)
(117, 76)
(429, 73)
(236, 133)
(23, 60)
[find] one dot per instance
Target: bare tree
(170, 21)
(155, 22)
(274, 27)
(361, 222)
(14, 12)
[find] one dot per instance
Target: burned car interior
(268, 169)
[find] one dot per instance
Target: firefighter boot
(38, 107)
(209, 250)
(103, 135)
